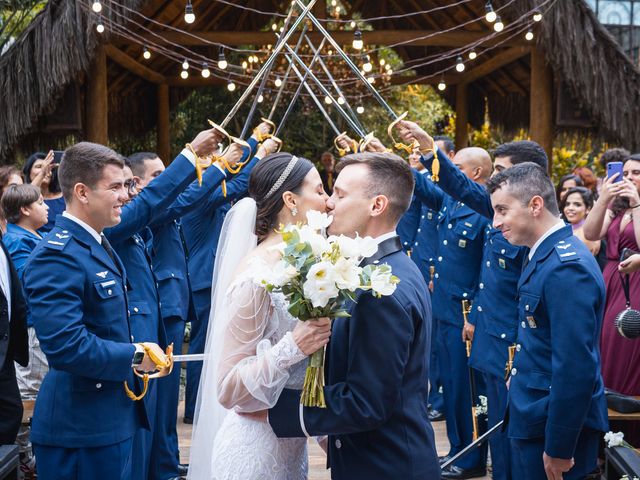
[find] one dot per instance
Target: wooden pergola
(526, 83)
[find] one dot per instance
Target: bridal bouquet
(318, 275)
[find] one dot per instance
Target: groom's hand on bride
(312, 335)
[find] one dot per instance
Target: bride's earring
(294, 211)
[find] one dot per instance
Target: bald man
(475, 163)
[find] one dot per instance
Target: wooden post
(96, 103)
(462, 116)
(541, 103)
(164, 144)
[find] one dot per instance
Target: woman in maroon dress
(616, 216)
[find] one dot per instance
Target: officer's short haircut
(84, 163)
(522, 151)
(525, 181)
(17, 197)
(389, 175)
(136, 162)
(449, 146)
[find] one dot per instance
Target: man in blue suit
(493, 320)
(75, 285)
(557, 409)
(377, 360)
(201, 231)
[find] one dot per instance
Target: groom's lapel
(386, 247)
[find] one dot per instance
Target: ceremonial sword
(472, 445)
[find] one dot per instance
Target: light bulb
(260, 99)
(353, 24)
(441, 85)
(387, 66)
(537, 16)
(334, 3)
(184, 74)
(389, 71)
(459, 65)
(278, 82)
(146, 53)
(231, 86)
(360, 109)
(281, 29)
(185, 64)
(96, 6)
(341, 100)
(371, 80)
(222, 61)
(357, 40)
(251, 60)
(367, 67)
(529, 35)
(245, 65)
(498, 26)
(328, 100)
(189, 16)
(491, 15)
(274, 27)
(382, 62)
(472, 55)
(100, 27)
(205, 70)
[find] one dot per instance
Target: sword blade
(195, 357)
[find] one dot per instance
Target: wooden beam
(377, 37)
(541, 102)
(133, 65)
(96, 101)
(495, 62)
(164, 143)
(462, 116)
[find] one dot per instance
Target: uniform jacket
(13, 335)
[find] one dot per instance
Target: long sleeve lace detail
(253, 369)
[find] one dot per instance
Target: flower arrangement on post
(616, 440)
(319, 276)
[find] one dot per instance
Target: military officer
(75, 285)
(557, 408)
(460, 241)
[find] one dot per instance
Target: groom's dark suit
(377, 367)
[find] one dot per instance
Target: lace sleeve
(252, 372)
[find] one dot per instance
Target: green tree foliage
(15, 16)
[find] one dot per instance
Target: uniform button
(437, 276)
(523, 325)
(416, 244)
(109, 291)
(449, 226)
(464, 295)
(479, 308)
(518, 347)
(464, 232)
(503, 335)
(439, 259)
(338, 443)
(406, 243)
(132, 338)
(422, 217)
(481, 286)
(128, 313)
(98, 385)
(174, 275)
(419, 230)
(526, 307)
(488, 264)
(514, 372)
(502, 251)
(444, 242)
(135, 309)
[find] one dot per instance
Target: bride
(254, 347)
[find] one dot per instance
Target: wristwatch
(138, 356)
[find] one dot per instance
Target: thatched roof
(57, 48)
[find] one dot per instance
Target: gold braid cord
(399, 145)
(165, 367)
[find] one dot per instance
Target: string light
(100, 26)
(146, 53)
(185, 64)
(367, 67)
(473, 55)
(231, 86)
(205, 70)
(328, 100)
(358, 44)
(341, 100)
(260, 98)
(189, 16)
(537, 16)
(245, 65)
(334, 3)
(382, 62)
(459, 65)
(222, 61)
(441, 85)
(491, 14)
(371, 80)
(360, 109)
(274, 27)
(529, 35)
(353, 24)
(184, 74)
(498, 26)
(96, 6)
(278, 82)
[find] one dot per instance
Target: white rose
(614, 439)
(381, 283)
(318, 220)
(348, 246)
(282, 273)
(320, 286)
(347, 274)
(367, 246)
(318, 243)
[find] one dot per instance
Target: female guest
(589, 179)
(566, 182)
(9, 175)
(574, 208)
(40, 170)
(616, 217)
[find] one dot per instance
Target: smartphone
(626, 253)
(613, 168)
(57, 156)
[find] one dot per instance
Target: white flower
(347, 274)
(320, 286)
(319, 244)
(318, 220)
(367, 246)
(614, 439)
(381, 283)
(279, 247)
(282, 273)
(355, 247)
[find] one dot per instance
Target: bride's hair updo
(264, 176)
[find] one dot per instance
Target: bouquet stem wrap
(313, 388)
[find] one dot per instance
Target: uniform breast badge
(532, 321)
(462, 243)
(502, 263)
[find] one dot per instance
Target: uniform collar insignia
(102, 274)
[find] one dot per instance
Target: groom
(377, 361)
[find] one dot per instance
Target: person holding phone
(615, 216)
(41, 171)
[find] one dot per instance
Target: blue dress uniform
(556, 395)
(495, 307)
(84, 423)
(130, 239)
(169, 261)
(201, 231)
(460, 242)
(409, 224)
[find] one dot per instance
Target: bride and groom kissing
(250, 423)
